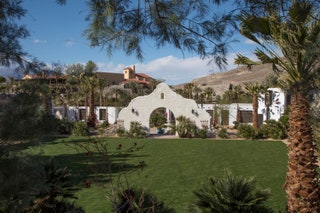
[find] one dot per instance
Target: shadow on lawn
(91, 160)
(95, 161)
(96, 168)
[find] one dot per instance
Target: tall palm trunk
(302, 184)
(92, 115)
(255, 111)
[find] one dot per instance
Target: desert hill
(220, 81)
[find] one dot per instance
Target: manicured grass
(175, 167)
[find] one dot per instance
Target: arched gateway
(140, 108)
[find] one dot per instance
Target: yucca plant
(185, 127)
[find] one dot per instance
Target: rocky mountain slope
(220, 81)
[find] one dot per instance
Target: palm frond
(243, 60)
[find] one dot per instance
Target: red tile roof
(143, 75)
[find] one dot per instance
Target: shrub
(247, 131)
(232, 194)
(23, 117)
(236, 124)
(284, 119)
(120, 131)
(136, 130)
(43, 187)
(202, 133)
(103, 127)
(105, 124)
(132, 200)
(64, 126)
(80, 129)
(57, 182)
(185, 127)
(222, 133)
(273, 129)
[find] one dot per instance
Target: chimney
(134, 68)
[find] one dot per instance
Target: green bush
(64, 126)
(120, 131)
(236, 124)
(247, 131)
(136, 130)
(284, 119)
(185, 127)
(105, 124)
(232, 194)
(24, 117)
(222, 133)
(270, 129)
(133, 200)
(273, 129)
(80, 129)
(202, 133)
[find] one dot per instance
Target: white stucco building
(141, 108)
(79, 113)
(272, 105)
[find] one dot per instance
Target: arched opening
(162, 121)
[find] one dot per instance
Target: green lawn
(175, 167)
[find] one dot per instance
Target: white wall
(277, 107)
(72, 113)
(233, 111)
(140, 108)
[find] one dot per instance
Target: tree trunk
(302, 184)
(92, 116)
(255, 111)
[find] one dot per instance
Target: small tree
(25, 115)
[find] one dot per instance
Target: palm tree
(209, 92)
(241, 59)
(197, 90)
(77, 91)
(181, 92)
(188, 89)
(90, 80)
(254, 89)
(232, 194)
(102, 84)
(296, 33)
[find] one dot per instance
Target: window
(162, 95)
(245, 116)
(82, 114)
(102, 114)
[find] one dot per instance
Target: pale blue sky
(56, 36)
